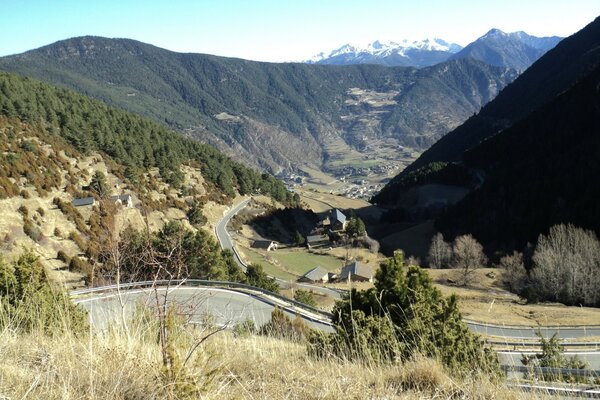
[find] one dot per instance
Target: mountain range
(516, 50)
(274, 116)
(528, 160)
(419, 54)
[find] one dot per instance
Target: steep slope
(57, 146)
(276, 116)
(418, 54)
(516, 50)
(136, 142)
(551, 75)
(540, 172)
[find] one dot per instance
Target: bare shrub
(440, 252)
(567, 266)
(515, 274)
(468, 256)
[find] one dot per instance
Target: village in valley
(334, 232)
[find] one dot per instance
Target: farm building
(356, 271)
(338, 220)
(317, 274)
(314, 241)
(267, 245)
(84, 201)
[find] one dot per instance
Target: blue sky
(280, 30)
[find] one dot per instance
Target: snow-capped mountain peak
(399, 53)
(387, 47)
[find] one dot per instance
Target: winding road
(226, 306)
(226, 242)
(223, 307)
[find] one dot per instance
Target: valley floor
(485, 300)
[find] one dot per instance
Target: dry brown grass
(486, 301)
(276, 369)
(115, 366)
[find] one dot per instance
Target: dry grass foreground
(126, 364)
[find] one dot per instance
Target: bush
(195, 215)
(552, 356)
(23, 210)
(74, 236)
(30, 304)
(31, 230)
(244, 329)
(305, 297)
(255, 276)
(281, 326)
(404, 315)
(80, 265)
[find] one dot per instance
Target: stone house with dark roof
(337, 220)
(317, 274)
(356, 271)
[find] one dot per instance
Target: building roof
(356, 268)
(337, 215)
(316, 238)
(262, 244)
(84, 201)
(316, 274)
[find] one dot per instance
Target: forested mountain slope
(540, 172)
(133, 141)
(134, 181)
(516, 50)
(276, 116)
(558, 70)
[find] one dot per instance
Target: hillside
(538, 173)
(534, 173)
(58, 146)
(516, 50)
(275, 116)
(558, 70)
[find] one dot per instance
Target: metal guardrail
(557, 327)
(199, 282)
(594, 345)
(563, 392)
(557, 372)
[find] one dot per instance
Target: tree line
(564, 266)
(133, 141)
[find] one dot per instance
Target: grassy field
(301, 261)
(254, 257)
(290, 264)
(485, 300)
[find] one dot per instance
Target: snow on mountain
(418, 53)
(516, 50)
(385, 48)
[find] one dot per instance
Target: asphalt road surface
(220, 306)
